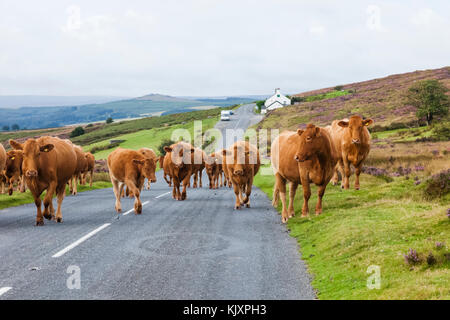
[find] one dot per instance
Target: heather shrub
(412, 257)
(441, 131)
(105, 147)
(438, 185)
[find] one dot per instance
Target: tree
(78, 131)
(260, 103)
(5, 128)
(165, 142)
(429, 97)
(15, 127)
(109, 120)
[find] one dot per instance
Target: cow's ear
(367, 122)
(16, 145)
(343, 124)
(46, 148)
(299, 132)
(167, 149)
(317, 132)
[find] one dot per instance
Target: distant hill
(382, 99)
(149, 105)
(18, 101)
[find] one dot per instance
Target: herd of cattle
(314, 155)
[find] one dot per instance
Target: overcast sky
(213, 47)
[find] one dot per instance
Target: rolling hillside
(382, 99)
(149, 105)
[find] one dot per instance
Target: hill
(150, 105)
(17, 101)
(382, 99)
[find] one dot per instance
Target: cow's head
(310, 143)
(14, 160)
(356, 126)
(32, 152)
(210, 164)
(238, 157)
(147, 168)
(181, 154)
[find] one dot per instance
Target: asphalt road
(196, 249)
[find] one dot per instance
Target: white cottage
(278, 100)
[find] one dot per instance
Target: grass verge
(373, 226)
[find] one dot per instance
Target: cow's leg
(292, 190)
(335, 178)
(22, 184)
(135, 191)
(39, 216)
(60, 193)
(195, 179)
(200, 178)
(280, 186)
(346, 176)
(148, 184)
(74, 181)
(48, 199)
(186, 181)
(11, 186)
(237, 193)
(357, 173)
(320, 193)
(248, 192)
(176, 188)
(117, 192)
(306, 195)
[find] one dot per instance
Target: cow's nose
(153, 180)
(239, 172)
(297, 158)
(31, 173)
(355, 141)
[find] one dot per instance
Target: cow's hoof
(247, 205)
(59, 220)
(48, 216)
(138, 209)
(39, 223)
(237, 207)
(356, 188)
(284, 220)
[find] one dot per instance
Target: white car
(225, 115)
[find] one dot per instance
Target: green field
(373, 226)
(149, 138)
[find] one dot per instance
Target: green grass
(373, 226)
(328, 95)
(404, 135)
(149, 138)
(18, 198)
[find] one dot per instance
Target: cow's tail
(276, 196)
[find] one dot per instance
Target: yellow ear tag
(45, 150)
(367, 124)
(13, 158)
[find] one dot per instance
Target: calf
(352, 142)
(198, 166)
(48, 164)
(13, 171)
(212, 170)
(242, 164)
(179, 160)
(130, 168)
(222, 160)
(80, 169)
(150, 154)
(302, 157)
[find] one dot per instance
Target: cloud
(423, 17)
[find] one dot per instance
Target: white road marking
(4, 290)
(162, 195)
(80, 241)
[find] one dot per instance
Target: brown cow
(212, 170)
(166, 169)
(2, 167)
(223, 162)
(13, 171)
(197, 168)
(149, 153)
(242, 164)
(302, 157)
(81, 168)
(130, 168)
(352, 142)
(179, 160)
(48, 164)
(90, 159)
